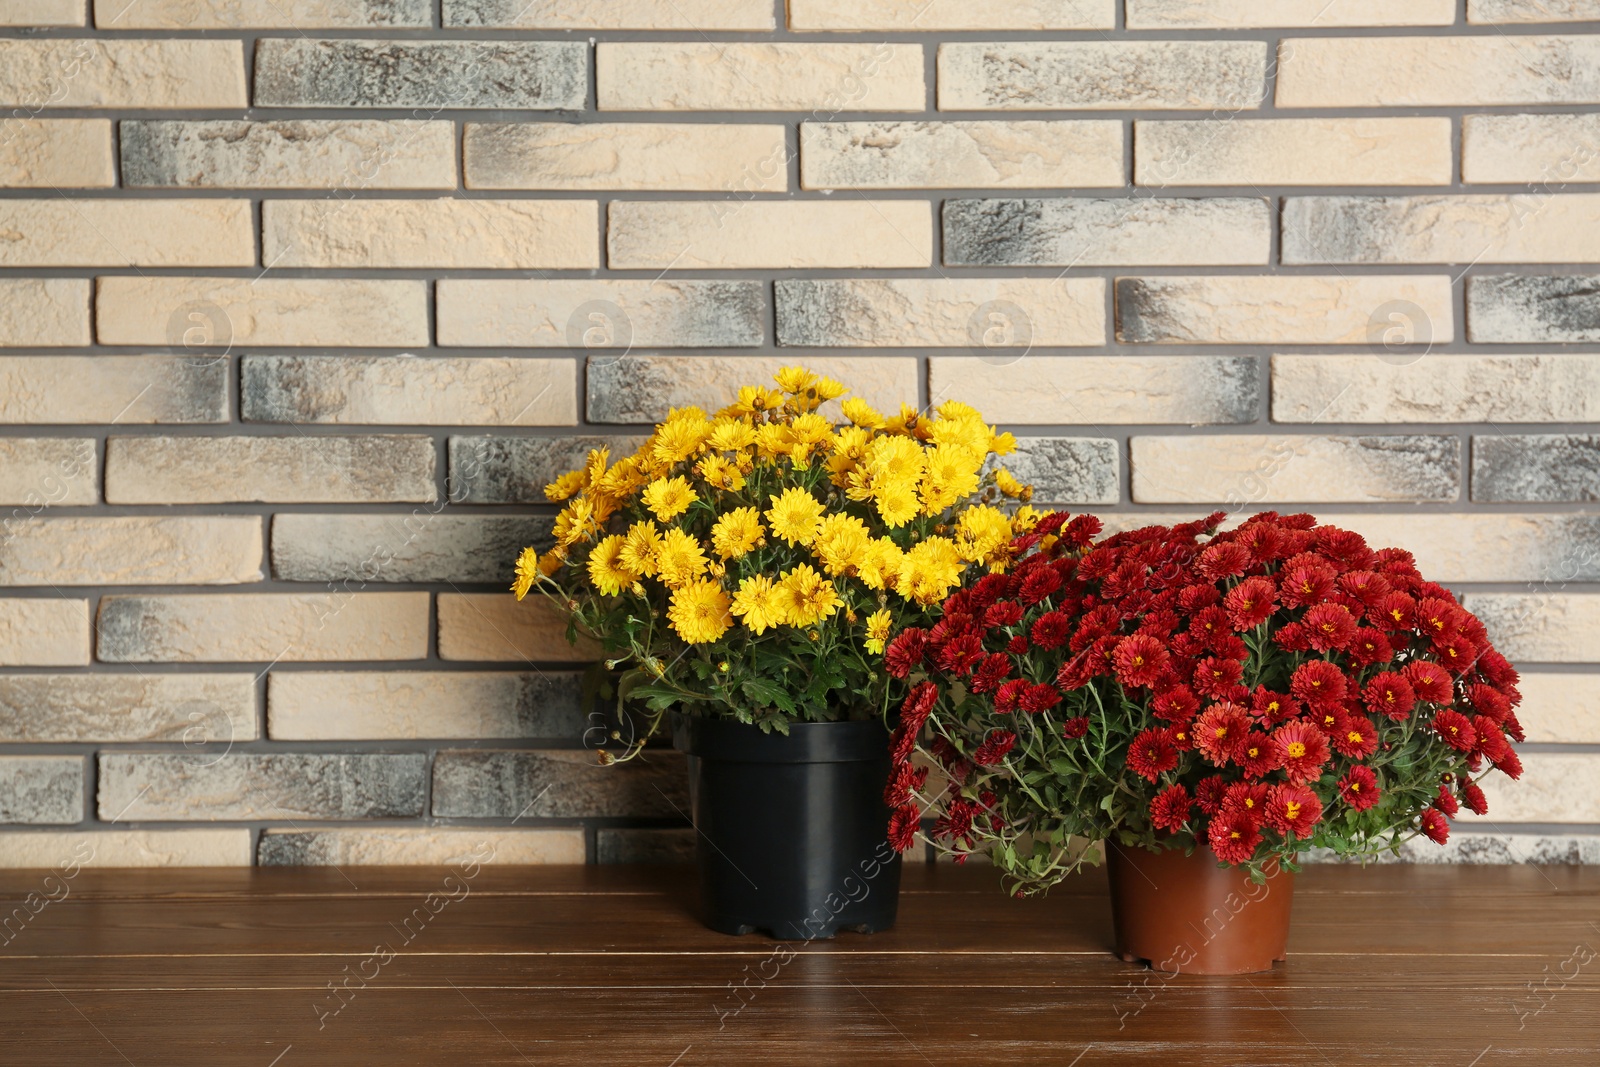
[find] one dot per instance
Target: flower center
(1292, 809)
(1296, 749)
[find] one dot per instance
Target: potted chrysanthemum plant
(741, 572)
(1206, 707)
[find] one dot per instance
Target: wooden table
(598, 966)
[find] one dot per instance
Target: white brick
(942, 312)
(1169, 75)
(1438, 71)
(1487, 547)
(290, 154)
(126, 233)
(679, 16)
(262, 14)
(1264, 152)
(1554, 787)
(420, 846)
(928, 15)
(1549, 150)
(44, 632)
(1323, 14)
(1100, 390)
(191, 708)
(744, 158)
(1560, 708)
(1513, 11)
(334, 312)
(1523, 228)
(30, 13)
(38, 472)
(1286, 309)
(495, 627)
(1439, 387)
(410, 390)
(131, 550)
(56, 153)
(293, 469)
(406, 705)
(112, 389)
(1542, 626)
(601, 313)
(44, 311)
(1244, 469)
(769, 234)
(263, 627)
(68, 851)
(961, 155)
(702, 76)
(88, 72)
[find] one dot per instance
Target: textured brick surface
(1327, 309)
(1531, 148)
(600, 314)
(192, 709)
(407, 390)
(419, 547)
(952, 15)
(126, 848)
(344, 154)
(301, 72)
(680, 16)
(970, 155)
(1310, 469)
(1546, 626)
(297, 469)
(626, 155)
(1561, 707)
(716, 234)
(1080, 232)
(1442, 229)
(1438, 71)
(153, 74)
(643, 389)
(265, 627)
(1436, 388)
(1061, 75)
(362, 705)
(1256, 152)
(132, 550)
(1511, 308)
(1088, 390)
(249, 785)
(515, 470)
(269, 14)
(1514, 11)
(1068, 470)
(41, 13)
(51, 153)
(104, 389)
(1550, 790)
(126, 233)
(1530, 468)
(1238, 14)
(943, 312)
(44, 311)
(506, 784)
(696, 75)
(217, 312)
(494, 628)
(41, 790)
(425, 846)
(40, 472)
(47, 631)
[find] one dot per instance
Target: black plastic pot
(792, 830)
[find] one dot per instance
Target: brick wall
(301, 301)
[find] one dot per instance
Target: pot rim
(807, 742)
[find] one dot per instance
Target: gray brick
(363, 705)
(265, 14)
(1084, 232)
(515, 470)
(190, 708)
(123, 389)
(1493, 11)
(484, 784)
(297, 72)
(1029, 75)
(1529, 468)
(1443, 387)
(254, 785)
(669, 845)
(677, 16)
(290, 154)
(41, 790)
(430, 846)
(1442, 229)
(299, 469)
(1515, 308)
(420, 547)
(1068, 470)
(642, 389)
(941, 312)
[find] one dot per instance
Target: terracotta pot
(1186, 915)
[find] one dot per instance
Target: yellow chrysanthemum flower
(737, 532)
(699, 612)
(527, 572)
(795, 516)
(720, 474)
(641, 548)
(566, 485)
(849, 450)
(575, 523)
(756, 604)
(681, 436)
(1003, 444)
(878, 631)
(1024, 519)
(981, 532)
(668, 498)
(929, 571)
(895, 459)
(862, 413)
(772, 441)
(952, 475)
(880, 563)
(841, 544)
(1007, 483)
(794, 379)
(552, 561)
(680, 559)
(731, 435)
(897, 504)
(806, 597)
(596, 465)
(606, 569)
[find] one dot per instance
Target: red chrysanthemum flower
(1491, 740)
(1169, 810)
(1489, 701)
(1040, 698)
(1039, 583)
(1008, 697)
(1435, 826)
(905, 652)
(1139, 661)
(1356, 737)
(1220, 732)
(1304, 748)
(1272, 708)
(1369, 647)
(1369, 587)
(961, 654)
(1293, 809)
(1017, 645)
(1292, 637)
(1457, 653)
(901, 742)
(1151, 754)
(1081, 531)
(1234, 837)
(1318, 684)
(902, 782)
(1050, 630)
(1304, 585)
(994, 748)
(1393, 613)
(1429, 682)
(1176, 704)
(991, 588)
(1498, 670)
(1389, 694)
(1193, 599)
(990, 673)
(1359, 788)
(1258, 756)
(1329, 627)
(1002, 614)
(1455, 730)
(1216, 677)
(1437, 616)
(903, 825)
(1262, 539)
(1509, 764)
(1250, 603)
(1219, 561)
(1210, 625)
(1210, 792)
(918, 705)
(1473, 798)
(1446, 801)
(1075, 727)
(1249, 798)
(1345, 547)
